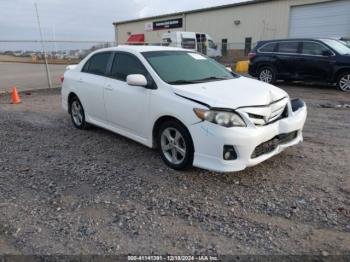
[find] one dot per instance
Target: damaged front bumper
(252, 144)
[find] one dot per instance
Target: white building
(240, 25)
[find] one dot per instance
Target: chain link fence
(32, 64)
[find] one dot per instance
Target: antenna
(43, 47)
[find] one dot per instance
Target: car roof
(142, 48)
(296, 39)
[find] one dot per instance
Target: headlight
(222, 118)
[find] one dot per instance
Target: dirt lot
(65, 191)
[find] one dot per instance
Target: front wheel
(267, 75)
(175, 145)
(344, 82)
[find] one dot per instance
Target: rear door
(287, 58)
(127, 107)
(316, 62)
(90, 84)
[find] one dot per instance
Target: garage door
(330, 19)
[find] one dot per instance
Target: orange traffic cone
(15, 96)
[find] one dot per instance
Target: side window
(311, 48)
(188, 43)
(166, 41)
(211, 44)
(125, 64)
(269, 48)
(97, 64)
(288, 47)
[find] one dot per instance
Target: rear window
(268, 48)
(288, 47)
(97, 64)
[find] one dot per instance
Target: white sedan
(194, 110)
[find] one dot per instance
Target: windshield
(180, 67)
(337, 46)
(347, 43)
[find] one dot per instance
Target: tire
(176, 151)
(343, 82)
(77, 114)
(267, 74)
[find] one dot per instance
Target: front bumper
(209, 140)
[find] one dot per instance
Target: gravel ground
(66, 191)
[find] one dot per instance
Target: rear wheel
(175, 145)
(77, 114)
(267, 74)
(344, 82)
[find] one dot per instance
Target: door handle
(108, 88)
(81, 80)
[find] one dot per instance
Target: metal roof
(249, 2)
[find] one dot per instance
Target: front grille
(271, 145)
(278, 114)
(266, 115)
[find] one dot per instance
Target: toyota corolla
(188, 106)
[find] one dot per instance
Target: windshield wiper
(181, 81)
(211, 78)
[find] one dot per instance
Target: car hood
(233, 93)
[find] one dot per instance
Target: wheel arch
(266, 64)
(70, 97)
(159, 122)
(339, 72)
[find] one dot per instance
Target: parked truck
(200, 42)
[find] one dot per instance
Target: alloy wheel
(266, 76)
(344, 83)
(77, 113)
(173, 145)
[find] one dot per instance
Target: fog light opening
(229, 153)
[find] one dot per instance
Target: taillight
(62, 78)
(251, 55)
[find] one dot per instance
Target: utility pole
(54, 38)
(43, 47)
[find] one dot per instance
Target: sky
(83, 19)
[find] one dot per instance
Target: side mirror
(327, 53)
(136, 80)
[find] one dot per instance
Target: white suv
(194, 110)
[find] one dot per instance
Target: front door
(316, 62)
(213, 50)
(127, 107)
